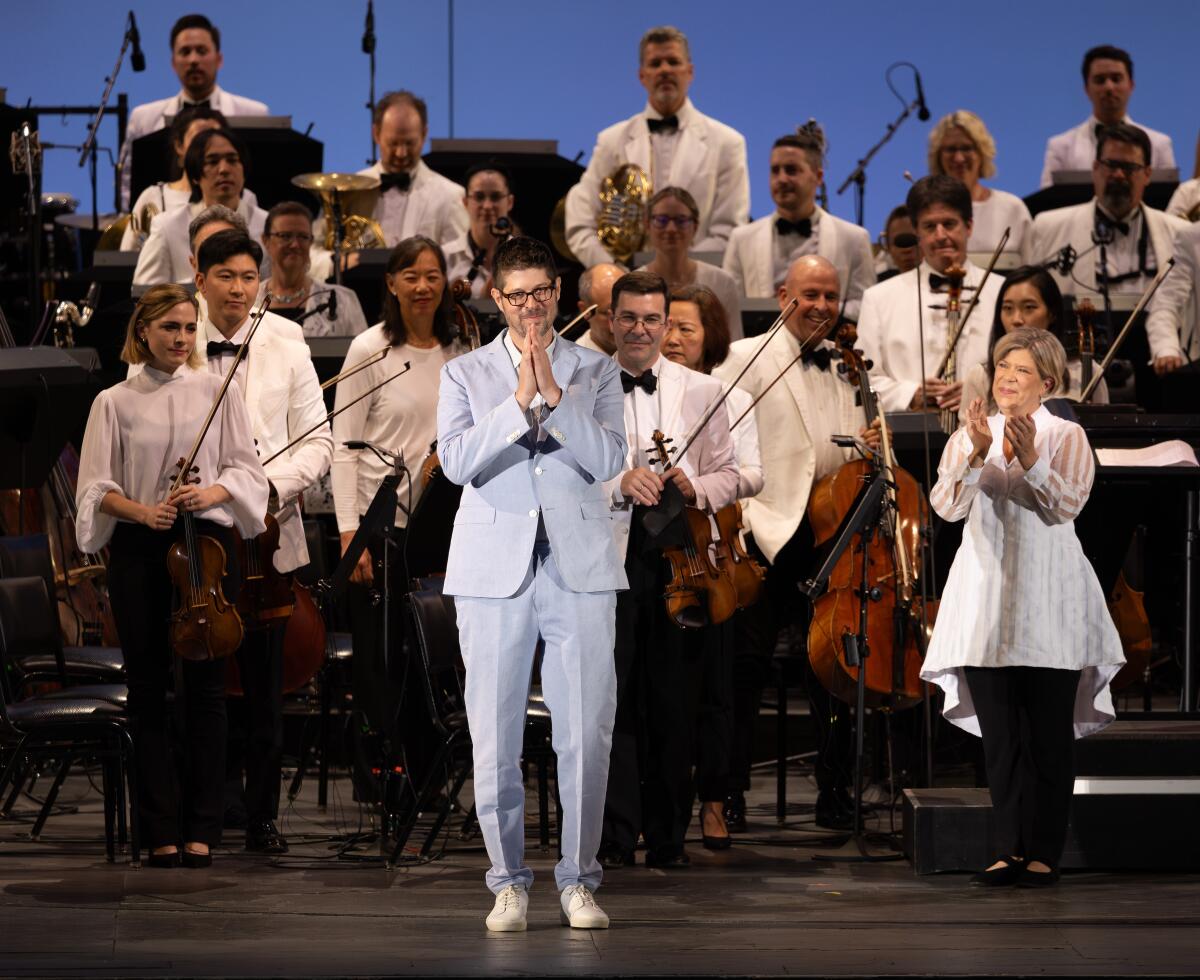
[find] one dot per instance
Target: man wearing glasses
(321, 309)
(761, 253)
(674, 144)
(1137, 242)
(488, 201)
(660, 665)
(530, 426)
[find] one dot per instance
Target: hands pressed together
(534, 374)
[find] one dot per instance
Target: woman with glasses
(960, 146)
(321, 309)
(672, 222)
(488, 201)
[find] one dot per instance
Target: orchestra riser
(1136, 807)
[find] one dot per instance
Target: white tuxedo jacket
(710, 463)
(750, 257)
(152, 116)
(435, 206)
(889, 332)
(1074, 226)
(1076, 149)
(165, 256)
(709, 162)
(786, 448)
(1173, 324)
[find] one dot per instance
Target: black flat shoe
(668, 859)
(170, 860)
(735, 813)
(190, 859)
(1008, 874)
(263, 837)
(612, 857)
(1037, 879)
(831, 815)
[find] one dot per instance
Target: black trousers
(180, 752)
(1025, 716)
(714, 724)
(659, 680)
(756, 634)
(256, 722)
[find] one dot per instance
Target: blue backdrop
(541, 69)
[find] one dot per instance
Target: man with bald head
(812, 403)
(595, 286)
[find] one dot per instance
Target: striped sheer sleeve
(1061, 485)
(958, 482)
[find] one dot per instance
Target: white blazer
(750, 257)
(166, 255)
(889, 332)
(1074, 226)
(1173, 323)
(150, 117)
(783, 417)
(710, 463)
(709, 162)
(435, 206)
(1076, 149)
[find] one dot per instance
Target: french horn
(621, 226)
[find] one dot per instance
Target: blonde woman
(1024, 646)
(960, 146)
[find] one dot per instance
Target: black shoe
(735, 813)
(672, 857)
(1037, 879)
(170, 860)
(190, 859)
(263, 837)
(715, 842)
(831, 815)
(611, 857)
(1007, 874)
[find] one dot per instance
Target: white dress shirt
(154, 200)
(1076, 149)
(165, 255)
(432, 206)
(1173, 316)
(792, 246)
(137, 431)
(1021, 592)
(461, 259)
(514, 355)
(400, 416)
(990, 217)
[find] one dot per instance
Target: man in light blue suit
(531, 426)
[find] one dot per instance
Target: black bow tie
(401, 181)
(1103, 221)
(819, 358)
(646, 381)
(218, 347)
(202, 104)
(668, 124)
(803, 227)
(938, 283)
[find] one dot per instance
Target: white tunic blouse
(138, 430)
(1001, 210)
(1021, 592)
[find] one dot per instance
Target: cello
(897, 632)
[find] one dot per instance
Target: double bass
(896, 619)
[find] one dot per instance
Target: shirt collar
(162, 377)
(183, 99)
(1130, 218)
(684, 113)
(654, 368)
(514, 353)
(238, 338)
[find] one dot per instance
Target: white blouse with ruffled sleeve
(1021, 592)
(138, 430)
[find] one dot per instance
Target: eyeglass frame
(680, 221)
(304, 238)
(644, 320)
(1126, 167)
(550, 289)
(488, 197)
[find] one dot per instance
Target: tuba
(621, 226)
(344, 195)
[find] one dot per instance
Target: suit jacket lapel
(764, 254)
(637, 143)
(690, 154)
(783, 356)
(827, 243)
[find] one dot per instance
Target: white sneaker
(580, 911)
(508, 914)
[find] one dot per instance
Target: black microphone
(368, 39)
(332, 303)
(137, 60)
(502, 228)
(922, 108)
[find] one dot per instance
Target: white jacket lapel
(690, 156)
(763, 247)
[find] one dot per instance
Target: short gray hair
(663, 35)
(211, 214)
(1047, 352)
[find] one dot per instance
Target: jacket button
(533, 513)
(537, 470)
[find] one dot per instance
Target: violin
(747, 574)
(266, 593)
(894, 568)
(464, 316)
(1085, 320)
(303, 645)
(204, 625)
(701, 591)
(956, 274)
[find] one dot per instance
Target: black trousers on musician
(756, 634)
(256, 722)
(1026, 718)
(180, 748)
(714, 724)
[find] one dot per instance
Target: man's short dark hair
(813, 147)
(898, 212)
(641, 283)
(1123, 132)
(521, 252)
(225, 245)
(179, 127)
(197, 22)
(285, 208)
(938, 189)
(400, 97)
(193, 160)
(1106, 52)
(490, 166)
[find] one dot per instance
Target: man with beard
(1138, 241)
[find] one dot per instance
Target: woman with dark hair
(698, 338)
(1029, 297)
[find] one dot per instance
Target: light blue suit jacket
(509, 477)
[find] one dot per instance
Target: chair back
(27, 554)
(436, 632)
(28, 625)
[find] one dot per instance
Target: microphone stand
(89, 148)
(1101, 239)
(368, 46)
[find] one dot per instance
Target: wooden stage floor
(764, 907)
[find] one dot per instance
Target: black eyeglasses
(680, 221)
(519, 297)
(630, 320)
(288, 237)
(1122, 166)
(491, 197)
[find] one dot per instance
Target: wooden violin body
(699, 582)
(205, 625)
(746, 573)
(303, 645)
(266, 593)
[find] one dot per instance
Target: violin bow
(962, 323)
(812, 342)
(362, 365)
(585, 315)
